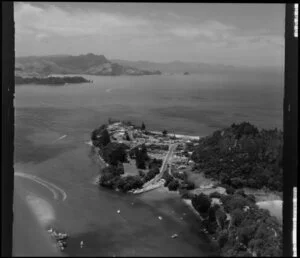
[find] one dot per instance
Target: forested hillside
(242, 156)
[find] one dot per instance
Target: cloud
(149, 41)
(155, 36)
(55, 21)
(42, 37)
(212, 30)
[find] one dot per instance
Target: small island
(50, 80)
(223, 177)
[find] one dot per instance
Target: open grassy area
(130, 168)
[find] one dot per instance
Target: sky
(229, 34)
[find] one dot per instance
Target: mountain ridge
(178, 66)
(90, 64)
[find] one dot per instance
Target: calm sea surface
(195, 105)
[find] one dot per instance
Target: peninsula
(212, 174)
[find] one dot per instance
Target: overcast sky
(231, 34)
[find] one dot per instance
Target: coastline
(202, 183)
(179, 136)
(264, 198)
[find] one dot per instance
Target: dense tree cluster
(177, 181)
(155, 163)
(151, 174)
(128, 183)
(241, 228)
(180, 175)
(111, 178)
(173, 185)
(100, 136)
(114, 153)
(141, 157)
(242, 156)
(201, 203)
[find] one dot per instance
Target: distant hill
(180, 67)
(67, 64)
(176, 66)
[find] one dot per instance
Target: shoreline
(206, 184)
(178, 136)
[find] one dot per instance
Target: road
(172, 148)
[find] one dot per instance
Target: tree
(107, 180)
(235, 202)
(187, 185)
(104, 138)
(141, 156)
(215, 195)
(201, 203)
(151, 174)
(130, 182)
(240, 192)
(251, 198)
(142, 173)
(100, 136)
(245, 234)
(220, 218)
(222, 238)
(212, 213)
(237, 217)
(143, 127)
(230, 190)
(173, 185)
(155, 163)
(167, 177)
(127, 138)
(114, 152)
(164, 132)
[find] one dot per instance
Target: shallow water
(53, 125)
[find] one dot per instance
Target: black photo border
(290, 127)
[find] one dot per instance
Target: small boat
(174, 236)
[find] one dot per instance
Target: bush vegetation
(201, 203)
(246, 232)
(242, 156)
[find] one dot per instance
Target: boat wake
(54, 189)
(60, 138)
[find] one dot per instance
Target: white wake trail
(55, 195)
(60, 138)
(63, 193)
(51, 187)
